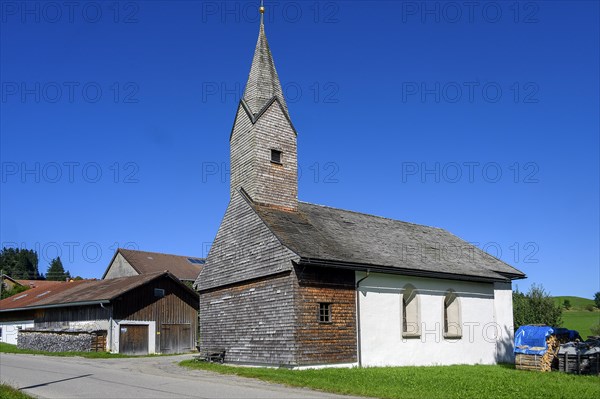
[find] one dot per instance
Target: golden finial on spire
(262, 7)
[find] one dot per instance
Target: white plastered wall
(120, 268)
(380, 322)
(503, 308)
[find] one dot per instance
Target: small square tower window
(276, 156)
(324, 313)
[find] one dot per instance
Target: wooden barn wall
(178, 306)
(325, 343)
(253, 321)
(19, 315)
(60, 317)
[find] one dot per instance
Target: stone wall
(56, 341)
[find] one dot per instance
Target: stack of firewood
(539, 362)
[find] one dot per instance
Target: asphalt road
(148, 377)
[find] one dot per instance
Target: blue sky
(482, 120)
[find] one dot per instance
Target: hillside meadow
(578, 317)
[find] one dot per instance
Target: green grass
(577, 303)
(501, 381)
(8, 348)
(578, 317)
(8, 392)
(581, 321)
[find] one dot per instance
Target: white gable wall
(503, 309)
(120, 268)
(380, 322)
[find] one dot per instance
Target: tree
(567, 304)
(597, 299)
(535, 307)
(19, 263)
(56, 271)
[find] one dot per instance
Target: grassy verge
(8, 392)
(8, 348)
(501, 381)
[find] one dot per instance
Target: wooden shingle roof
(333, 237)
(263, 82)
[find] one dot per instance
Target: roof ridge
(375, 216)
(160, 253)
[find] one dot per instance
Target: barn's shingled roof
(145, 262)
(83, 292)
(327, 236)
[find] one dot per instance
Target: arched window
(452, 319)
(411, 326)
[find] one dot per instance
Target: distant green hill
(578, 317)
(577, 303)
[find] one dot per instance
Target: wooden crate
(99, 341)
(529, 362)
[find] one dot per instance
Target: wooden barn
(130, 262)
(149, 313)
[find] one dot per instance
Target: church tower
(263, 149)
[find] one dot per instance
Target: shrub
(567, 304)
(590, 307)
(535, 307)
(595, 329)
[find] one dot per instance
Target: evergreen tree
(597, 299)
(56, 271)
(19, 263)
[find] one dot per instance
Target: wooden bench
(213, 355)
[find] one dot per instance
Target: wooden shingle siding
(242, 154)
(250, 154)
(276, 184)
(254, 322)
(244, 249)
(325, 343)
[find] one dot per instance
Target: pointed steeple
(263, 147)
(263, 81)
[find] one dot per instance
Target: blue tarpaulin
(571, 335)
(531, 340)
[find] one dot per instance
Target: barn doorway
(133, 339)
(176, 338)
